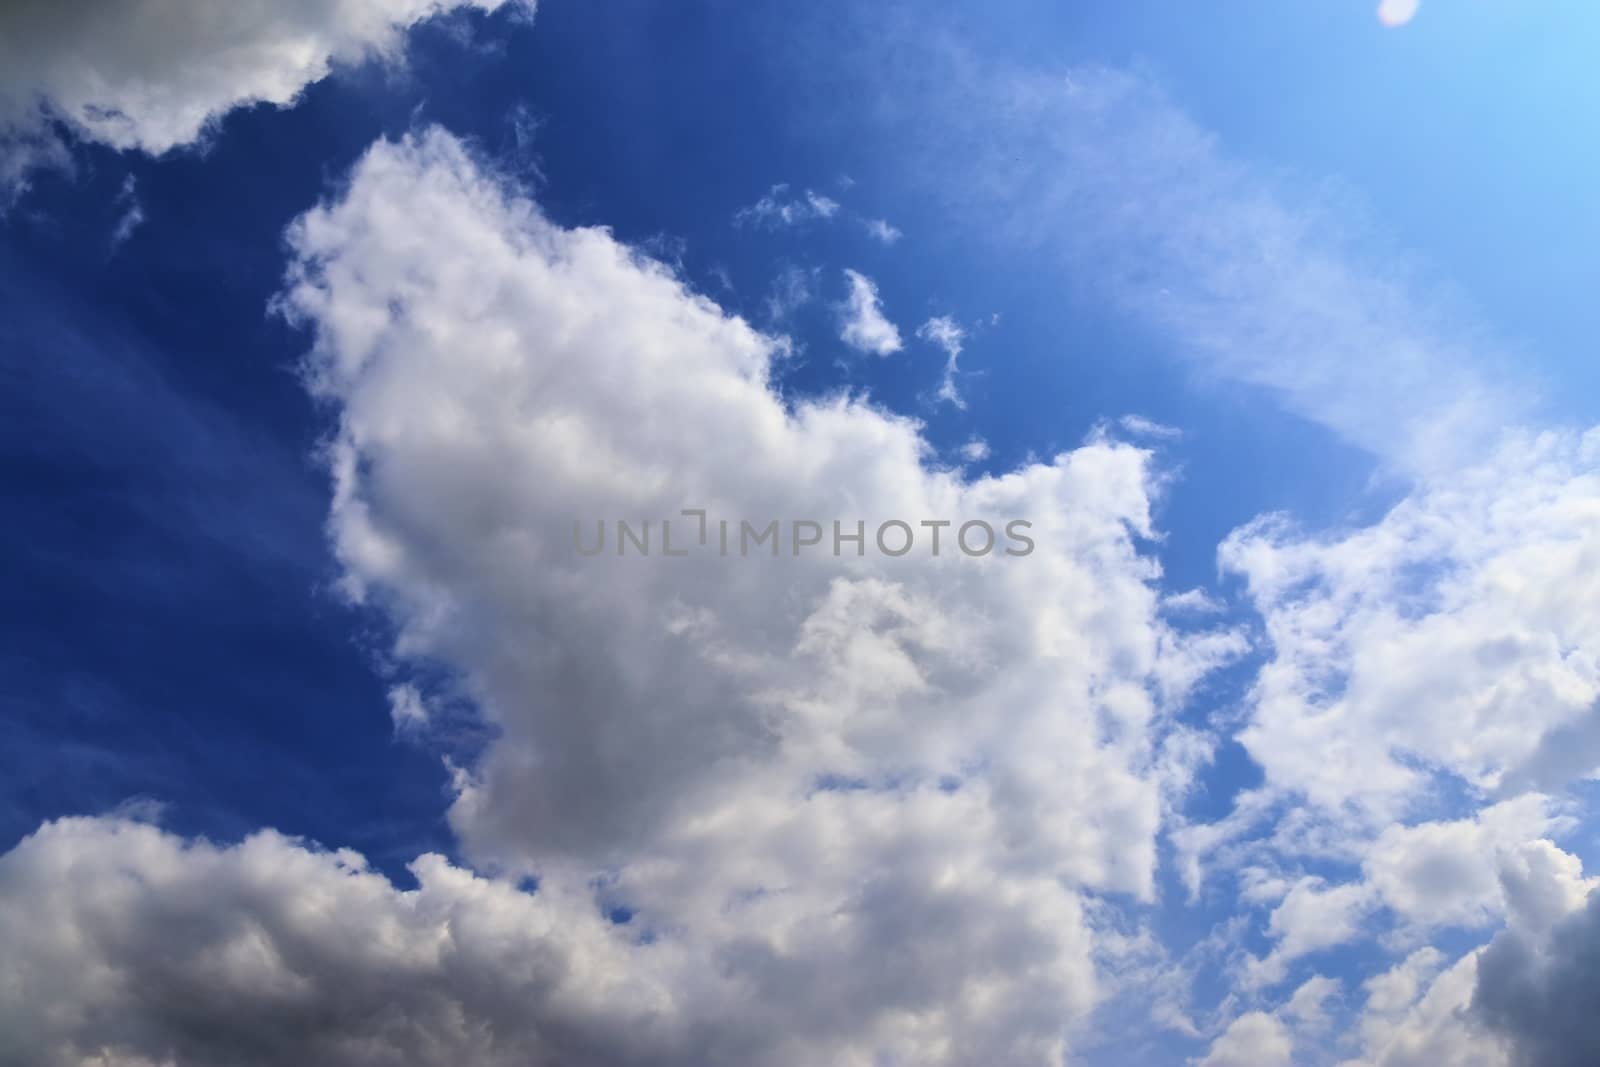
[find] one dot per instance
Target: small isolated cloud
(407, 709)
(975, 451)
(132, 213)
(945, 332)
(779, 209)
(1139, 426)
(882, 230)
(863, 325)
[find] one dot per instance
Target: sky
(325, 328)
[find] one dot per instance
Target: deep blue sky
(170, 633)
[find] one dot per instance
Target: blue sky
(319, 327)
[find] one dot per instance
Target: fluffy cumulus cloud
(1449, 872)
(871, 789)
(153, 75)
(860, 808)
(130, 947)
(862, 324)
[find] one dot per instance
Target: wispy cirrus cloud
(792, 288)
(947, 334)
(1254, 279)
(780, 208)
(132, 213)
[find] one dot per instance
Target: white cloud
(1254, 1039)
(154, 75)
(822, 207)
(882, 230)
(945, 332)
(1139, 426)
(976, 450)
(863, 807)
(778, 209)
(862, 323)
(1310, 917)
